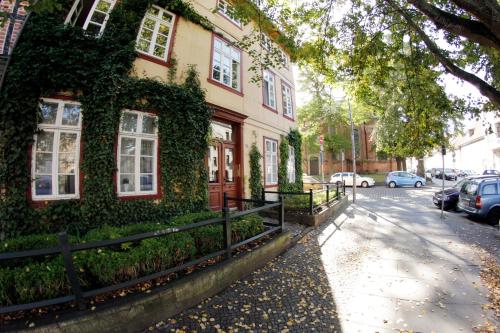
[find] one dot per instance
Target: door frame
(235, 119)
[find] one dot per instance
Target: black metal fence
(65, 249)
(313, 207)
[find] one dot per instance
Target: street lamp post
(353, 154)
(443, 152)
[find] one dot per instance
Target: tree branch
(473, 30)
(486, 11)
(484, 88)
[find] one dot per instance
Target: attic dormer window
(90, 15)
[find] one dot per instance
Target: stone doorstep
(137, 312)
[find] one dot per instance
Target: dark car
(481, 198)
(449, 174)
(451, 194)
(491, 172)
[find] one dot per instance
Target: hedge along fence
(111, 258)
(309, 202)
(52, 57)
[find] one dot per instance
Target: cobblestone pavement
(388, 264)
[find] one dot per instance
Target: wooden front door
(223, 158)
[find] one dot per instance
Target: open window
(91, 15)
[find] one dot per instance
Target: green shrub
(207, 239)
(31, 280)
(131, 260)
(302, 201)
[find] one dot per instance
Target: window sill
(158, 61)
(269, 108)
(289, 118)
(217, 83)
(126, 197)
(271, 185)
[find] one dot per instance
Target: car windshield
(448, 170)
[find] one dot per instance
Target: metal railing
(312, 207)
(78, 295)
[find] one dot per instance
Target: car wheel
(494, 216)
(418, 184)
(364, 184)
(392, 184)
(339, 183)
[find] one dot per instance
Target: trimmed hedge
(302, 201)
(33, 279)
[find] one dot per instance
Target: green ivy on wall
(51, 57)
(255, 180)
(293, 139)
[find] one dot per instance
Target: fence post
(263, 195)
(281, 214)
(338, 191)
(343, 187)
(311, 202)
(227, 228)
(70, 270)
(327, 194)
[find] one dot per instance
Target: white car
(347, 177)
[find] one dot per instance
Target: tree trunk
(404, 165)
(398, 163)
(420, 167)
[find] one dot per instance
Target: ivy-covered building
(133, 110)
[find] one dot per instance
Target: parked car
(449, 174)
(491, 172)
(451, 194)
(465, 173)
(428, 174)
(403, 178)
(348, 178)
(481, 198)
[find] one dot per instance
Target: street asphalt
(388, 264)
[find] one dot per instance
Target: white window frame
(158, 21)
(57, 128)
(284, 58)
(270, 78)
(266, 42)
(271, 162)
(287, 100)
(291, 165)
(78, 7)
(225, 9)
(138, 136)
(226, 53)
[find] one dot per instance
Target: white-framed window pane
(71, 115)
(127, 183)
(56, 151)
(138, 155)
(67, 184)
(155, 32)
(226, 64)
(43, 185)
(129, 122)
(127, 164)
(49, 113)
(43, 163)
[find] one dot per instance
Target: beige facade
(193, 45)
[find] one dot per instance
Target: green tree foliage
(357, 33)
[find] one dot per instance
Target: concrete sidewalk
(389, 264)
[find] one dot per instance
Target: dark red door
(222, 173)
